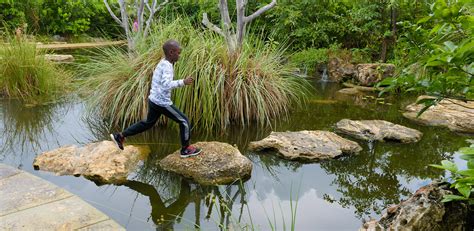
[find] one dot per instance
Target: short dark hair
(170, 44)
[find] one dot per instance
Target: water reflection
(333, 195)
(26, 125)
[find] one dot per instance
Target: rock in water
(423, 211)
(306, 145)
(59, 58)
(377, 130)
(219, 163)
(371, 73)
(457, 115)
(101, 162)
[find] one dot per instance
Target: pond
(331, 195)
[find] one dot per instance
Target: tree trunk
(234, 37)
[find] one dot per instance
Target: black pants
(154, 113)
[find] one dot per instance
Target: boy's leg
(152, 116)
(184, 130)
(176, 115)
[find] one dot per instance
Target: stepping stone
(101, 162)
(377, 130)
(309, 146)
(454, 114)
(218, 163)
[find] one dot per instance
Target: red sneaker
(190, 151)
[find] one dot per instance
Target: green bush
(309, 59)
(25, 74)
(440, 61)
(253, 86)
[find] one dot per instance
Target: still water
(331, 195)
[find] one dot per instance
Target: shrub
(24, 72)
(252, 86)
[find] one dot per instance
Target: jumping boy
(159, 101)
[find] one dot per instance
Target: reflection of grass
(26, 126)
(24, 73)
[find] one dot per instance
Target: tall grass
(253, 86)
(25, 74)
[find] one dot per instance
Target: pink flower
(135, 26)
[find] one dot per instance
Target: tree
(234, 37)
(133, 31)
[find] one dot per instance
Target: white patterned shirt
(162, 83)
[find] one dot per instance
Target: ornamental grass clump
(254, 85)
(25, 74)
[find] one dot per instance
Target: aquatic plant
(25, 74)
(255, 85)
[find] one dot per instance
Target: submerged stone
(454, 114)
(219, 163)
(380, 130)
(308, 146)
(101, 162)
(423, 211)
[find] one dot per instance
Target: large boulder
(377, 130)
(219, 163)
(101, 162)
(423, 211)
(339, 68)
(457, 115)
(306, 145)
(370, 73)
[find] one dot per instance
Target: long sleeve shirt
(162, 83)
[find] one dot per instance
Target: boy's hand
(188, 81)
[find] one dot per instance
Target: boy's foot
(190, 151)
(118, 139)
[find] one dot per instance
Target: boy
(159, 102)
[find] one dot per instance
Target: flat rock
(349, 91)
(101, 162)
(59, 58)
(423, 211)
(308, 146)
(453, 114)
(219, 163)
(377, 130)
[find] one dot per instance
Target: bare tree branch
(260, 11)
(211, 26)
(112, 13)
(140, 13)
(224, 10)
(161, 5)
(153, 10)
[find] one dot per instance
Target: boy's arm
(167, 81)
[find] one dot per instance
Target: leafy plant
(461, 179)
(441, 54)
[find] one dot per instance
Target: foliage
(24, 72)
(8, 13)
(441, 54)
(461, 179)
(73, 17)
(253, 86)
(308, 59)
(62, 17)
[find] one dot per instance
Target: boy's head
(172, 50)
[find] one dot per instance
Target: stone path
(28, 202)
